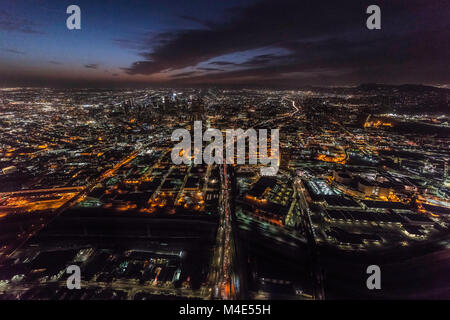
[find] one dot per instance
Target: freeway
(54, 190)
(77, 198)
(281, 117)
(126, 285)
(318, 280)
(222, 274)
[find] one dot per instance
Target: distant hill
(401, 88)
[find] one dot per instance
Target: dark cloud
(263, 60)
(114, 74)
(326, 39)
(222, 63)
(91, 66)
(185, 74)
(207, 24)
(210, 69)
(11, 23)
(12, 51)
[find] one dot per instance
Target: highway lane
(222, 273)
(75, 199)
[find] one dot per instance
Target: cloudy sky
(224, 42)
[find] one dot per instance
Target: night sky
(230, 42)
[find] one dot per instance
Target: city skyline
(232, 43)
(88, 181)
